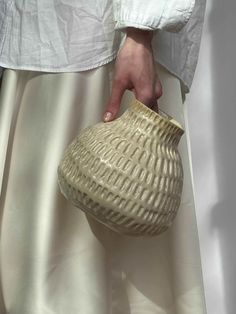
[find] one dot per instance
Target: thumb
(113, 104)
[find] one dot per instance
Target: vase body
(126, 173)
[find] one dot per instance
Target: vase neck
(156, 125)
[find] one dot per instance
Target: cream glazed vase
(126, 173)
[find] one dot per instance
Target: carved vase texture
(126, 173)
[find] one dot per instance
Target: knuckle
(158, 90)
(147, 95)
(118, 81)
(159, 93)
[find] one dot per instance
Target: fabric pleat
(55, 259)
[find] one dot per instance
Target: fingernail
(107, 116)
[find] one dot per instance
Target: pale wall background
(212, 121)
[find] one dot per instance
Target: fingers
(154, 105)
(149, 94)
(158, 89)
(158, 94)
(113, 105)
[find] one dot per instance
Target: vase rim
(161, 115)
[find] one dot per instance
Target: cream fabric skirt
(54, 258)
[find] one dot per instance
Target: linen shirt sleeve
(169, 15)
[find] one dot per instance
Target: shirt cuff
(168, 15)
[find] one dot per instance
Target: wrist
(139, 35)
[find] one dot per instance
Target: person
(66, 65)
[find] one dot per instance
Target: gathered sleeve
(169, 15)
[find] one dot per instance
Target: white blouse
(78, 35)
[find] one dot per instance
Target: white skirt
(54, 258)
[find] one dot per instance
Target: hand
(134, 70)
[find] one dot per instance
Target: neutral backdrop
(211, 107)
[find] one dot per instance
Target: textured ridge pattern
(126, 173)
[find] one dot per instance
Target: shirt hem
(185, 86)
(58, 69)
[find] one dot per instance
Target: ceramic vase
(126, 173)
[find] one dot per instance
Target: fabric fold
(55, 259)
